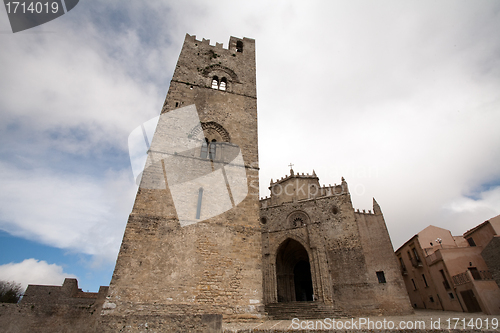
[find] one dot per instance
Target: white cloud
(70, 86)
(32, 271)
(463, 213)
(401, 98)
(488, 200)
(68, 211)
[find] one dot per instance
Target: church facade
(318, 250)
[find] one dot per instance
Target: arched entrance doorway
(293, 272)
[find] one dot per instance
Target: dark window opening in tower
(212, 149)
(381, 277)
(239, 46)
(215, 82)
(204, 149)
(223, 83)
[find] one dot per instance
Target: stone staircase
(302, 310)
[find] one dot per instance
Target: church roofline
(294, 175)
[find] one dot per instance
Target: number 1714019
(477, 323)
(32, 7)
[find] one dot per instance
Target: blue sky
(402, 98)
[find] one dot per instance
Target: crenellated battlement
(332, 190)
(232, 46)
(193, 39)
(220, 70)
(297, 187)
(376, 209)
(204, 41)
(293, 175)
(369, 212)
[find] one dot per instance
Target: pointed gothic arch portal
(293, 273)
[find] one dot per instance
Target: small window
(215, 82)
(414, 285)
(381, 277)
(451, 295)
(263, 220)
(212, 149)
(223, 84)
(239, 46)
(425, 281)
(401, 262)
(415, 253)
(471, 241)
(431, 299)
(445, 280)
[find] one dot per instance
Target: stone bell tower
(192, 243)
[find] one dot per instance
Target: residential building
(453, 273)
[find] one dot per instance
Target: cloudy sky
(402, 98)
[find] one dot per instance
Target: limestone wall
(53, 309)
(345, 250)
(390, 296)
(210, 265)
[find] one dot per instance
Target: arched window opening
(212, 149)
(215, 82)
(204, 149)
(223, 84)
(298, 222)
(239, 46)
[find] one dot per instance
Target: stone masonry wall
(212, 266)
(390, 297)
(332, 240)
(345, 251)
(54, 309)
(491, 255)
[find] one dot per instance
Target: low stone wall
(57, 318)
(206, 323)
(66, 309)
(63, 318)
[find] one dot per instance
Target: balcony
(416, 263)
(471, 275)
(434, 257)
